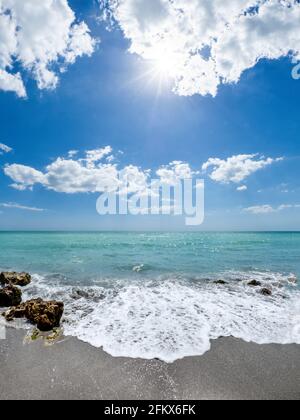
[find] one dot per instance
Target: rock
(266, 292)
(79, 294)
(221, 282)
(15, 279)
(10, 296)
(254, 283)
(45, 315)
(88, 295)
(15, 312)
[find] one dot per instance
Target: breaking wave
(172, 317)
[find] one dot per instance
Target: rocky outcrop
(15, 279)
(266, 292)
(45, 315)
(10, 296)
(254, 283)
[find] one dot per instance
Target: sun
(164, 64)
(162, 68)
(158, 70)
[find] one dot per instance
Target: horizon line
(143, 231)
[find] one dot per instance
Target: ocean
(153, 295)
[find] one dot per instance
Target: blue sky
(108, 99)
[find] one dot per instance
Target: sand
(70, 369)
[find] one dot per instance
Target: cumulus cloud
(71, 176)
(208, 43)
(20, 207)
(83, 175)
(67, 175)
(267, 209)
(94, 174)
(4, 148)
(12, 83)
(42, 38)
(236, 168)
(24, 176)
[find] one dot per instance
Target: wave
(139, 268)
(170, 317)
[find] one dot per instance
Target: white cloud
(133, 180)
(12, 83)
(93, 173)
(94, 156)
(24, 176)
(267, 209)
(70, 176)
(288, 206)
(175, 171)
(42, 37)
(236, 168)
(206, 43)
(4, 148)
(20, 207)
(242, 188)
(85, 175)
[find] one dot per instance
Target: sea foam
(170, 318)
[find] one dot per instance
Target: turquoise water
(154, 294)
(86, 257)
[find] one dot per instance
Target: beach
(156, 316)
(71, 369)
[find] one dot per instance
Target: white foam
(171, 319)
(138, 268)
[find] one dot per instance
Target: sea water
(154, 295)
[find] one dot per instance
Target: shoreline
(71, 369)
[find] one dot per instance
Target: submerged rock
(10, 296)
(266, 292)
(15, 279)
(79, 294)
(221, 282)
(254, 283)
(45, 315)
(87, 294)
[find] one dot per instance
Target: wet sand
(71, 369)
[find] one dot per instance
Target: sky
(89, 89)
